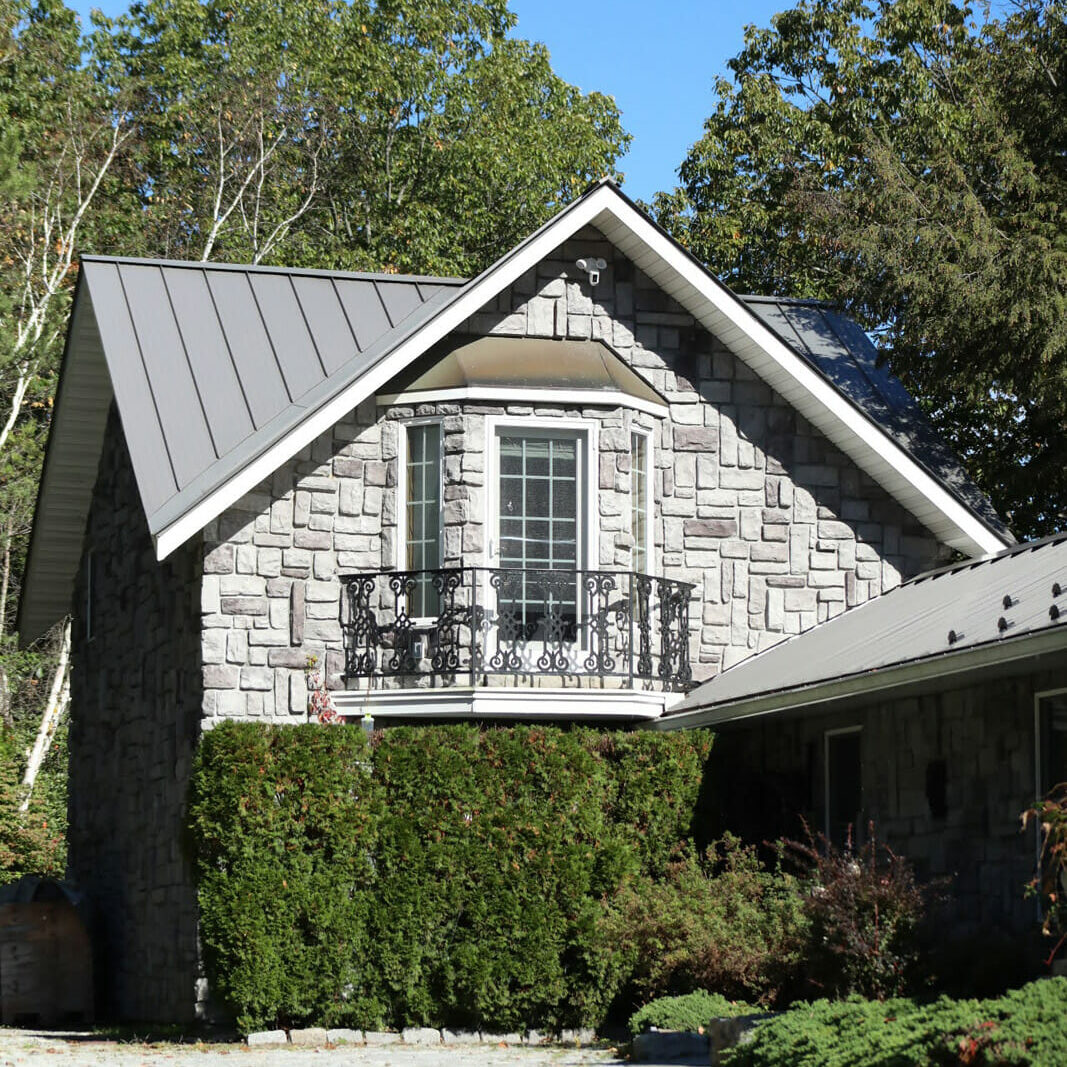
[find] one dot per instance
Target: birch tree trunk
(58, 699)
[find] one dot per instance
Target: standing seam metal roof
(211, 362)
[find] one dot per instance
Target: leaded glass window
(639, 500)
(423, 509)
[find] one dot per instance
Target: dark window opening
(937, 788)
(844, 787)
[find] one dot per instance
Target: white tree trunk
(58, 699)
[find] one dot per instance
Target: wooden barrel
(45, 965)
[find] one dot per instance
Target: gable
(221, 374)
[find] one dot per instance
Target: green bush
(866, 910)
(692, 1011)
(719, 922)
(452, 877)
(1025, 1026)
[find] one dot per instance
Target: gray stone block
(267, 1037)
(344, 1037)
(501, 1039)
(312, 1037)
(460, 1037)
(671, 1046)
(381, 1037)
(420, 1035)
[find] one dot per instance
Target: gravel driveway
(20, 1048)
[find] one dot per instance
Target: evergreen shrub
(443, 876)
(1024, 1026)
(691, 1011)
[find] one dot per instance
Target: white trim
(1039, 790)
(588, 508)
(650, 505)
(608, 398)
(400, 559)
(696, 278)
(838, 731)
(470, 299)
(504, 703)
(695, 289)
(946, 665)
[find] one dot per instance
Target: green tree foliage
(452, 877)
(905, 161)
(368, 134)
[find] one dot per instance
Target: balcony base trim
(464, 702)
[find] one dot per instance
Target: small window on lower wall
(843, 764)
(1051, 767)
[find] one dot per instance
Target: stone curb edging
(317, 1037)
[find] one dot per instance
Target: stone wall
(945, 778)
(135, 701)
(776, 527)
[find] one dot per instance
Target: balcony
(477, 627)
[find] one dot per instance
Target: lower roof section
(961, 618)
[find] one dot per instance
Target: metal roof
(463, 362)
(221, 372)
(1018, 593)
(845, 356)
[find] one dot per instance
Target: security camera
(592, 267)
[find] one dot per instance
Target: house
(574, 487)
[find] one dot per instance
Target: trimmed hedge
(1025, 1026)
(451, 877)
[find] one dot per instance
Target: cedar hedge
(443, 876)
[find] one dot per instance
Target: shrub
(692, 1011)
(718, 922)
(1024, 1026)
(1051, 883)
(865, 910)
(453, 877)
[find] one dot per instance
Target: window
(844, 785)
(1052, 742)
(423, 513)
(639, 500)
(540, 525)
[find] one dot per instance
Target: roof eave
(868, 683)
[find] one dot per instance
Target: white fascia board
(690, 278)
(948, 665)
(691, 285)
(565, 397)
(505, 703)
(468, 301)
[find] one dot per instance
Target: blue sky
(659, 61)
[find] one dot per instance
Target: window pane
(423, 507)
(639, 500)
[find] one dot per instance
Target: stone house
(574, 487)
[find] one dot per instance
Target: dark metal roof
(1017, 593)
(522, 362)
(836, 347)
(212, 363)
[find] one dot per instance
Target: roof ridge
(258, 268)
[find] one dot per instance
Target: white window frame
(401, 510)
(827, 734)
(650, 543)
(1040, 787)
(588, 480)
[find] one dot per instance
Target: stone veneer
(135, 705)
(945, 778)
(777, 528)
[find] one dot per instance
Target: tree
(906, 162)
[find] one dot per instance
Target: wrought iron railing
(483, 621)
